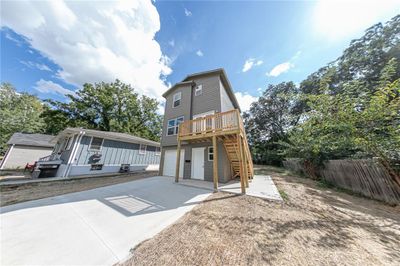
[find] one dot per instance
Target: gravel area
(313, 226)
(15, 193)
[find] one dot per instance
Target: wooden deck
(228, 128)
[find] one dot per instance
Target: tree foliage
(347, 109)
(103, 106)
(109, 107)
(19, 112)
(269, 119)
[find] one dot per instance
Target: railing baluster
(218, 122)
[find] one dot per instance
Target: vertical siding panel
(131, 155)
(121, 158)
(105, 151)
(87, 153)
(113, 152)
(119, 154)
(117, 151)
(137, 156)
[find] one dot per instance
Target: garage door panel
(170, 163)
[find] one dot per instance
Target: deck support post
(241, 163)
(215, 162)
(178, 161)
(246, 174)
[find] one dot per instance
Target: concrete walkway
(261, 186)
(93, 227)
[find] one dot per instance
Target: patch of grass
(283, 194)
(322, 183)
(268, 169)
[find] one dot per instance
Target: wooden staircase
(228, 128)
(232, 148)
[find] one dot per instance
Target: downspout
(3, 162)
(72, 155)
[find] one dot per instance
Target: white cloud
(280, 69)
(48, 86)
(251, 62)
(33, 65)
(283, 67)
(188, 13)
(11, 38)
(199, 53)
(334, 20)
(245, 100)
(95, 41)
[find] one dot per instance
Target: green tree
(336, 128)
(19, 112)
(109, 107)
(269, 119)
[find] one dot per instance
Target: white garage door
(170, 163)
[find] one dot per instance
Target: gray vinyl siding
(171, 113)
(226, 102)
(214, 97)
(116, 153)
(224, 169)
(210, 99)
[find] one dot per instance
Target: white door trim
(199, 163)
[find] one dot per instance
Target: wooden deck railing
(219, 122)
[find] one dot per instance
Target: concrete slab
(261, 186)
(94, 227)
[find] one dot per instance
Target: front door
(198, 163)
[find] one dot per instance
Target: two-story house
(203, 135)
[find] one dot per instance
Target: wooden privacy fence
(366, 177)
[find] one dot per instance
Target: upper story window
(95, 144)
(68, 143)
(142, 149)
(199, 90)
(177, 99)
(158, 151)
(173, 126)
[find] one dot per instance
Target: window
(142, 149)
(158, 151)
(173, 126)
(199, 90)
(177, 99)
(68, 143)
(210, 153)
(95, 144)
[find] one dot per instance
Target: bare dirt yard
(15, 193)
(315, 225)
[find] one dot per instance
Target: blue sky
(50, 49)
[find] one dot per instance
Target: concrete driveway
(93, 227)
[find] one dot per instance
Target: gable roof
(177, 85)
(26, 139)
(124, 137)
(219, 71)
